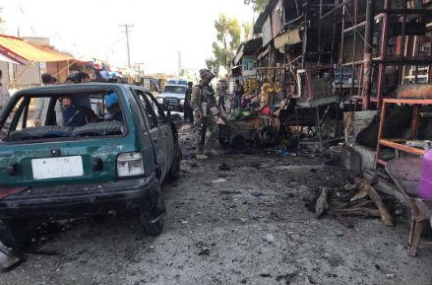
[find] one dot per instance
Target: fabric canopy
(7, 59)
(30, 52)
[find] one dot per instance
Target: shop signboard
(249, 65)
(277, 18)
(267, 31)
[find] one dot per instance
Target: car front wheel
(152, 228)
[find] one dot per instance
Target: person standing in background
(82, 77)
(222, 93)
(204, 104)
(239, 92)
(4, 93)
(188, 113)
(42, 104)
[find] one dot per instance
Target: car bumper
(72, 200)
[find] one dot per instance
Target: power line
(25, 16)
(127, 31)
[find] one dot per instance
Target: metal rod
(305, 36)
(383, 55)
(368, 50)
(333, 10)
(405, 11)
(343, 19)
(352, 86)
(319, 128)
(334, 33)
(319, 37)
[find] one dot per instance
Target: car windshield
(69, 115)
(175, 89)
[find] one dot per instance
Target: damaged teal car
(89, 149)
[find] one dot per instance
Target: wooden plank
(408, 101)
(402, 147)
(381, 162)
(380, 133)
(385, 215)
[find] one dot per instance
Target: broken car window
(65, 116)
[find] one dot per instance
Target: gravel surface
(246, 225)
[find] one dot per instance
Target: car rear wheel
(14, 233)
(152, 218)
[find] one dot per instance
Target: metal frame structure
(398, 144)
(370, 29)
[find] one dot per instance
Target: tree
(247, 29)
(2, 22)
(227, 43)
(258, 5)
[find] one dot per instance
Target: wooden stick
(343, 220)
(386, 217)
(361, 211)
(322, 202)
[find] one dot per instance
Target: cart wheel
(267, 136)
(237, 141)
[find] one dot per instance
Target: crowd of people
(68, 112)
(203, 105)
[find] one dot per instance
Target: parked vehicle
(172, 96)
(100, 147)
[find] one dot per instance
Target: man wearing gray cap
(205, 109)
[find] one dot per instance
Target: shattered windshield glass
(63, 116)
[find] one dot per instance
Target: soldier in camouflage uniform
(205, 109)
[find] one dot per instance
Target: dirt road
(248, 225)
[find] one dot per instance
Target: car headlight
(182, 102)
(160, 100)
(130, 164)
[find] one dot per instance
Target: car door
(166, 130)
(155, 132)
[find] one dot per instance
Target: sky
(160, 28)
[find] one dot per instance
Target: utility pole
(127, 31)
(2, 22)
(179, 57)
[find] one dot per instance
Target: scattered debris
(203, 248)
(270, 238)
(345, 222)
(9, 259)
(257, 194)
(219, 180)
(322, 202)
(358, 198)
(224, 167)
(255, 215)
(230, 192)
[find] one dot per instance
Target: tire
(174, 173)
(14, 233)
(152, 229)
(152, 219)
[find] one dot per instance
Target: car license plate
(58, 167)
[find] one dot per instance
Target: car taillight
(130, 164)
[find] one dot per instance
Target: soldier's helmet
(206, 74)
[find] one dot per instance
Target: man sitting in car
(113, 107)
(72, 114)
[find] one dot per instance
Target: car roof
(176, 85)
(82, 87)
